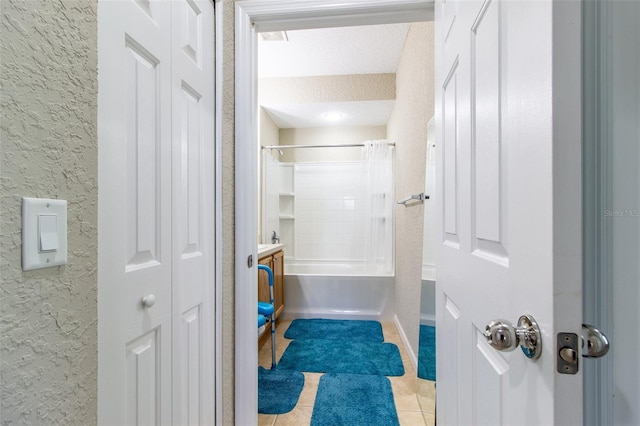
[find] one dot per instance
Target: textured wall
(49, 149)
(328, 88)
(408, 127)
(227, 59)
(269, 134)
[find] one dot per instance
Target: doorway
(253, 17)
(265, 20)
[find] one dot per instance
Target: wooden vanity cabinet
(275, 261)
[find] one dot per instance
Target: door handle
(148, 301)
(503, 336)
(597, 342)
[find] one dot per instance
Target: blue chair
(268, 309)
(264, 310)
(262, 320)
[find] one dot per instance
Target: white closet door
(134, 223)
(192, 85)
(156, 207)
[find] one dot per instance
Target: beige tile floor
(413, 409)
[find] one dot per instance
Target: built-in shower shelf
(287, 194)
(287, 217)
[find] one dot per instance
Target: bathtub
(428, 302)
(337, 291)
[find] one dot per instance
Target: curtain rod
(353, 145)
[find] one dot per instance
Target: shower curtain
(378, 178)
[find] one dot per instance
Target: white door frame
(598, 243)
(597, 374)
(217, 348)
(273, 15)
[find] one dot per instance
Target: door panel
(448, 395)
(450, 152)
(156, 222)
(487, 148)
(264, 294)
(142, 163)
(193, 221)
(278, 282)
(489, 375)
(143, 381)
(191, 367)
(190, 194)
(509, 241)
(134, 216)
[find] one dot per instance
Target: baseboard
(412, 356)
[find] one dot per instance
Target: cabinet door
(263, 280)
(278, 281)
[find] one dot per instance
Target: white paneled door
(156, 212)
(509, 151)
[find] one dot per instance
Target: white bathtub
(428, 302)
(337, 291)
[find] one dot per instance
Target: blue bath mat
(427, 353)
(354, 399)
(342, 356)
(278, 391)
(318, 328)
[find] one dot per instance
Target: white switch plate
(32, 255)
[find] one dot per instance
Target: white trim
(217, 9)
(278, 15)
(246, 294)
(405, 341)
(597, 293)
(275, 15)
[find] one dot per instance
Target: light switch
(48, 232)
(44, 233)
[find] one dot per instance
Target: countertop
(267, 249)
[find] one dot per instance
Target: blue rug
(342, 356)
(427, 353)
(318, 328)
(278, 391)
(354, 399)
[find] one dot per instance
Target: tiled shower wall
(329, 212)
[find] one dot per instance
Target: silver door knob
(597, 344)
(503, 336)
(148, 301)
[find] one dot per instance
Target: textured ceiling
(363, 113)
(369, 49)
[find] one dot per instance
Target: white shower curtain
(377, 159)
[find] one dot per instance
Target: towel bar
(415, 197)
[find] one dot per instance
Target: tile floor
(413, 409)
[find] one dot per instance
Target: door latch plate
(567, 357)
